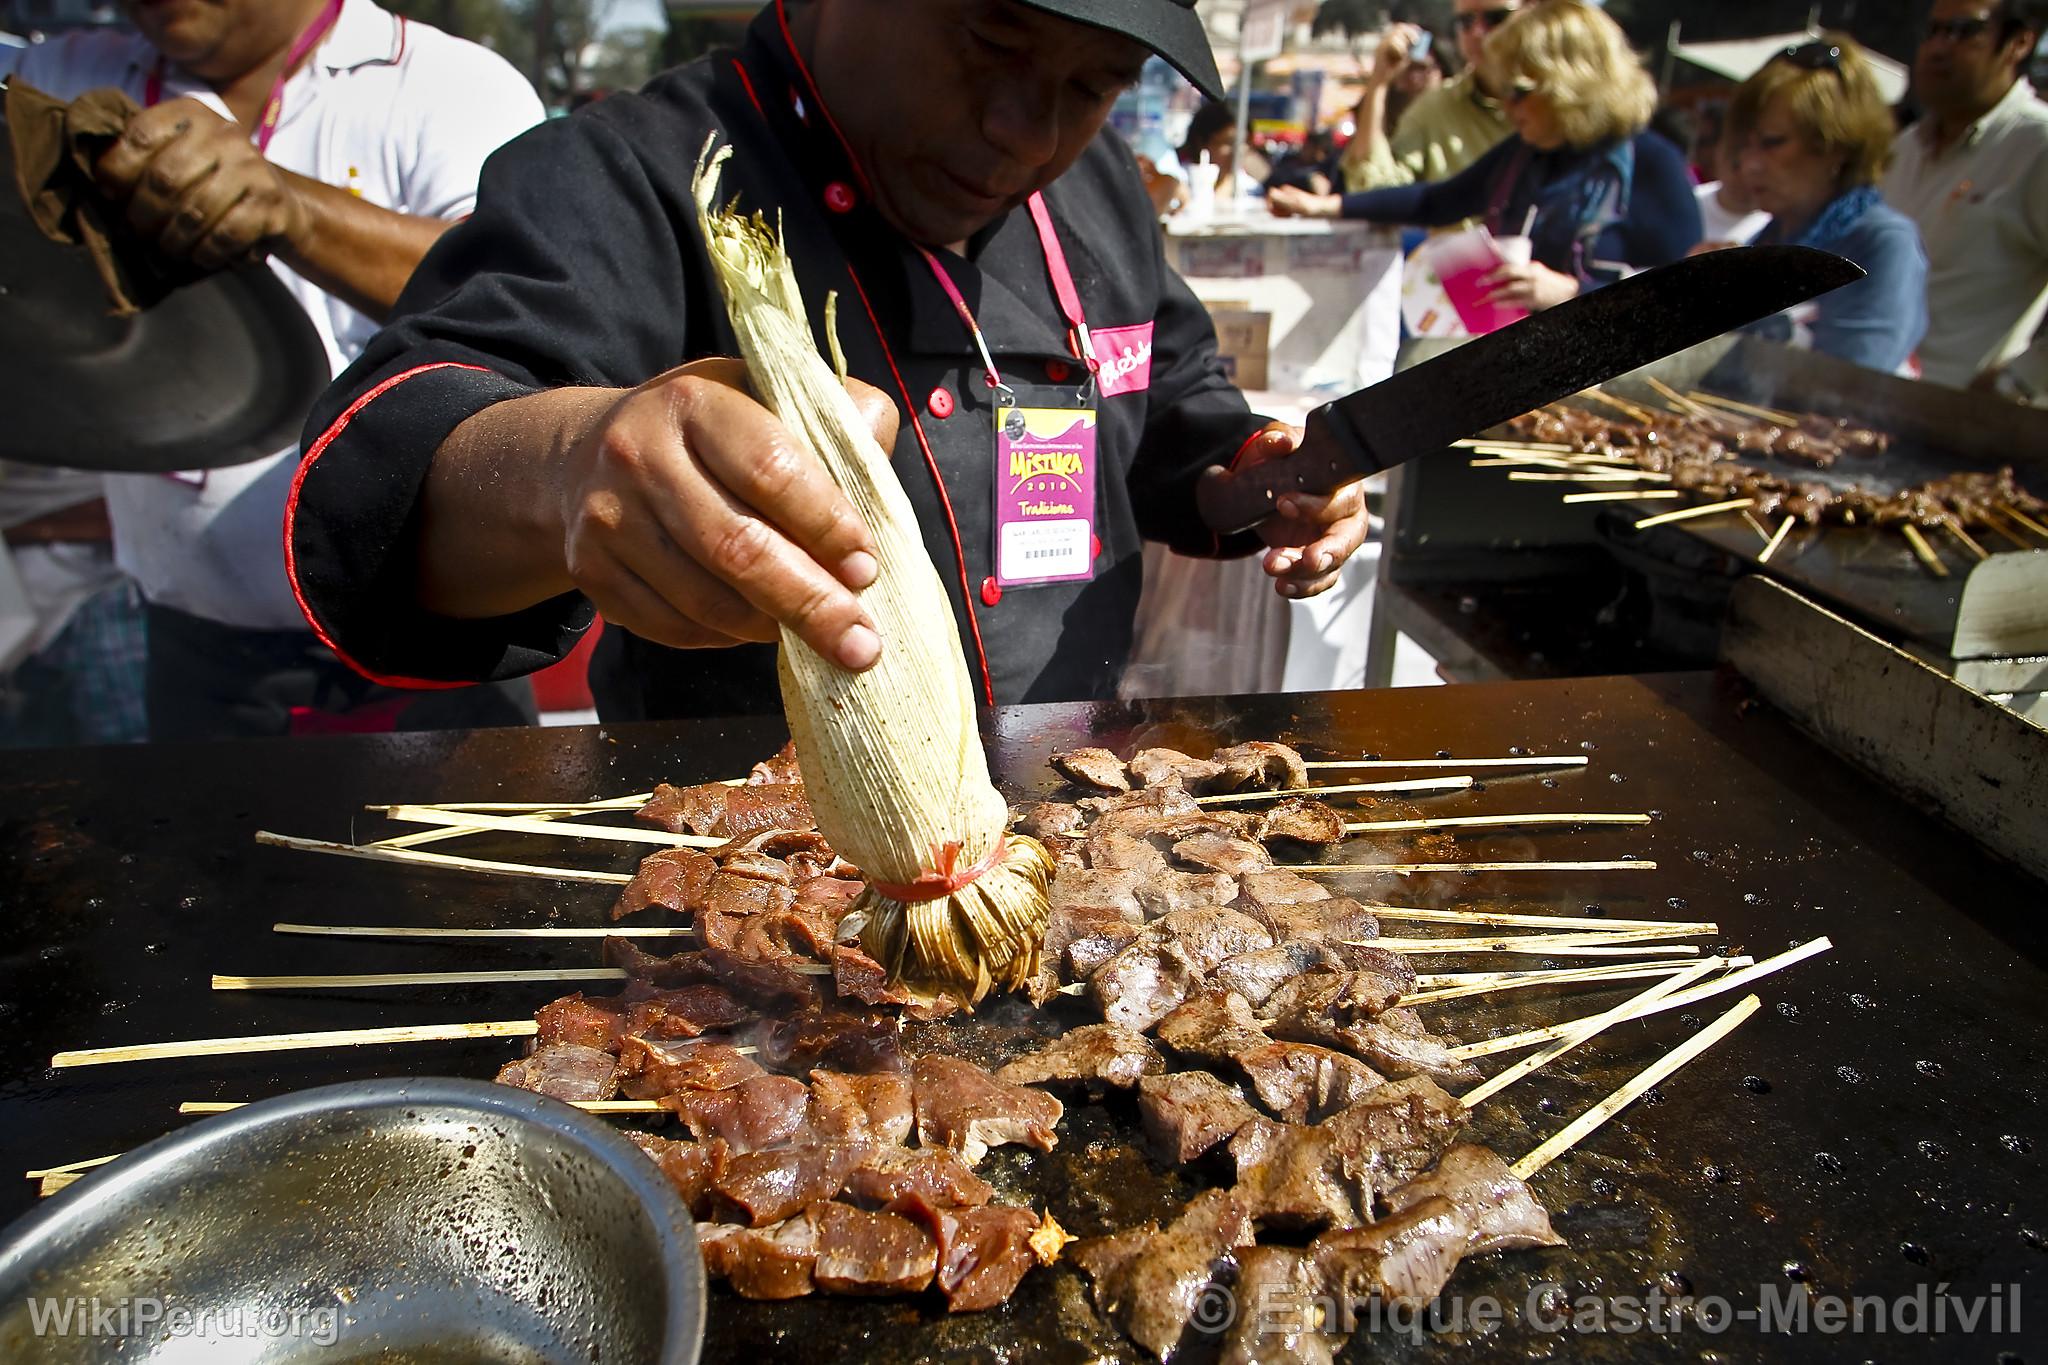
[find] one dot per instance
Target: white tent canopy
(1740, 58)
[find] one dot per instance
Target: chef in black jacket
(544, 430)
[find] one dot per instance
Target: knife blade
(1545, 357)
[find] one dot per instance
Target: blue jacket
(1878, 320)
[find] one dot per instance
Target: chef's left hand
(193, 184)
(1312, 536)
(1533, 286)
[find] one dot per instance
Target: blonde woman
(1815, 134)
(1599, 194)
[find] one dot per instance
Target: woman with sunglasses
(1814, 134)
(1599, 195)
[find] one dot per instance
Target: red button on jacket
(940, 403)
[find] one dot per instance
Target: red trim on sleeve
(748, 82)
(291, 514)
(988, 687)
(788, 41)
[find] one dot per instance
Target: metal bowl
(422, 1220)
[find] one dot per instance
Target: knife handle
(1233, 501)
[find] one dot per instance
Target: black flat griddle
(1874, 1130)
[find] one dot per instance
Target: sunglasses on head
(1813, 56)
(1957, 30)
(1519, 89)
(1492, 18)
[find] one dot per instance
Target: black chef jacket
(584, 265)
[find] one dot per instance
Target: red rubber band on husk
(944, 882)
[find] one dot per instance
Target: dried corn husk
(892, 760)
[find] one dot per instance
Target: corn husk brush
(892, 760)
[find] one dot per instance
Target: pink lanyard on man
(1044, 473)
(273, 107)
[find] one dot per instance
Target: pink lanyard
(1079, 341)
(273, 108)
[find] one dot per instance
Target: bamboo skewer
(1688, 513)
(70, 1167)
(1955, 528)
(1482, 442)
(1784, 529)
(1444, 980)
(1783, 419)
(1624, 495)
(1491, 821)
(190, 1107)
(1420, 784)
(1590, 476)
(2024, 520)
(560, 829)
(1762, 532)
(1997, 524)
(1643, 415)
(1558, 922)
(417, 932)
(1923, 550)
(610, 803)
(1627, 1009)
(371, 979)
(1422, 869)
(292, 1042)
(1693, 995)
(1578, 1129)
(1675, 398)
(1530, 761)
(1567, 976)
(1628, 942)
(374, 853)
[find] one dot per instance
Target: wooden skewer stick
(1997, 523)
(1590, 476)
(1483, 442)
(1591, 976)
(1577, 1130)
(2023, 519)
(1923, 550)
(611, 803)
(587, 1106)
(1420, 784)
(1528, 761)
(454, 831)
(382, 931)
(1955, 528)
(1624, 495)
(1488, 821)
(448, 860)
(1675, 398)
(369, 979)
(291, 1042)
(1688, 513)
(1783, 419)
(1762, 532)
(1629, 943)
(1534, 1037)
(1421, 869)
(1784, 529)
(1441, 980)
(560, 829)
(1627, 1009)
(70, 1167)
(1560, 923)
(1643, 415)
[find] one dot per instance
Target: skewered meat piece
(1171, 767)
(856, 976)
(851, 1108)
(567, 1071)
(1259, 765)
(1098, 769)
(670, 879)
(758, 1188)
(859, 1041)
(1281, 1311)
(1188, 1112)
(1340, 997)
(779, 770)
(1504, 1214)
(573, 1018)
(1169, 891)
(1065, 925)
(1394, 1041)
(650, 1068)
(1256, 976)
(1213, 852)
(1407, 1258)
(1304, 820)
(1261, 891)
(1140, 812)
(1094, 1052)
(982, 1252)
(1166, 962)
(1304, 1082)
(1334, 1173)
(935, 1175)
(863, 1252)
(963, 1107)
(686, 1012)
(689, 1166)
(1043, 818)
(760, 1112)
(1338, 919)
(1213, 1026)
(1086, 955)
(1091, 889)
(1114, 852)
(727, 812)
(1147, 1280)
(762, 1263)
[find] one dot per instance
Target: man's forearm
(491, 533)
(356, 251)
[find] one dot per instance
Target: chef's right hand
(694, 519)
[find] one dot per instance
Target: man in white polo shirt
(1973, 174)
(342, 141)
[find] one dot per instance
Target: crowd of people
(532, 422)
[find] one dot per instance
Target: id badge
(1045, 486)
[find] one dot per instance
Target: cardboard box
(1243, 341)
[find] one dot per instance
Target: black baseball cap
(1170, 28)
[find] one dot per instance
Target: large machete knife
(1519, 368)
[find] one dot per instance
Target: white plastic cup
(1202, 177)
(1514, 250)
